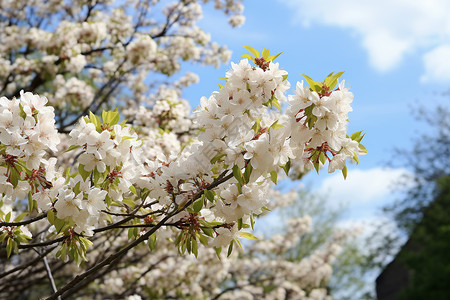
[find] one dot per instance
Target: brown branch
(42, 244)
(24, 266)
(39, 217)
(113, 258)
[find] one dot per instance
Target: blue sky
(395, 57)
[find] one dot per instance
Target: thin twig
(50, 276)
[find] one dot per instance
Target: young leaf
(72, 147)
(51, 216)
(195, 247)
(8, 217)
(115, 117)
(248, 56)
(276, 103)
(132, 189)
(274, 176)
(273, 57)
(84, 174)
(265, 54)
(230, 249)
(248, 172)
(198, 205)
(30, 202)
(209, 195)
(344, 172)
(20, 217)
(253, 51)
(287, 167)
(248, 235)
(237, 174)
(218, 251)
(362, 149)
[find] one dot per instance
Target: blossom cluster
(85, 183)
(27, 130)
(87, 50)
(218, 180)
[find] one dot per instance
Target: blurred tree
(427, 257)
(354, 259)
(428, 160)
(423, 214)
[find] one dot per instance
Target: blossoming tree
(80, 181)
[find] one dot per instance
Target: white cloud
(389, 29)
(437, 64)
(365, 189)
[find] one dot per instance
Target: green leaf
(218, 251)
(133, 189)
(131, 233)
(362, 149)
(178, 239)
(115, 117)
(22, 112)
(105, 117)
(152, 242)
(217, 157)
(237, 174)
(8, 217)
(203, 239)
(285, 77)
(209, 195)
(230, 249)
(59, 224)
(15, 175)
(20, 217)
(198, 205)
(72, 147)
(287, 167)
(252, 50)
(9, 247)
(239, 244)
(331, 79)
(273, 57)
(274, 176)
(316, 167)
(30, 202)
(67, 175)
(322, 158)
(355, 135)
(189, 245)
(51, 216)
(84, 174)
(276, 103)
(276, 126)
(208, 231)
(248, 235)
(356, 158)
(248, 56)
(257, 125)
(315, 86)
(3, 236)
(95, 120)
(265, 54)
(344, 172)
(76, 188)
(240, 224)
(85, 243)
(195, 247)
(248, 172)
